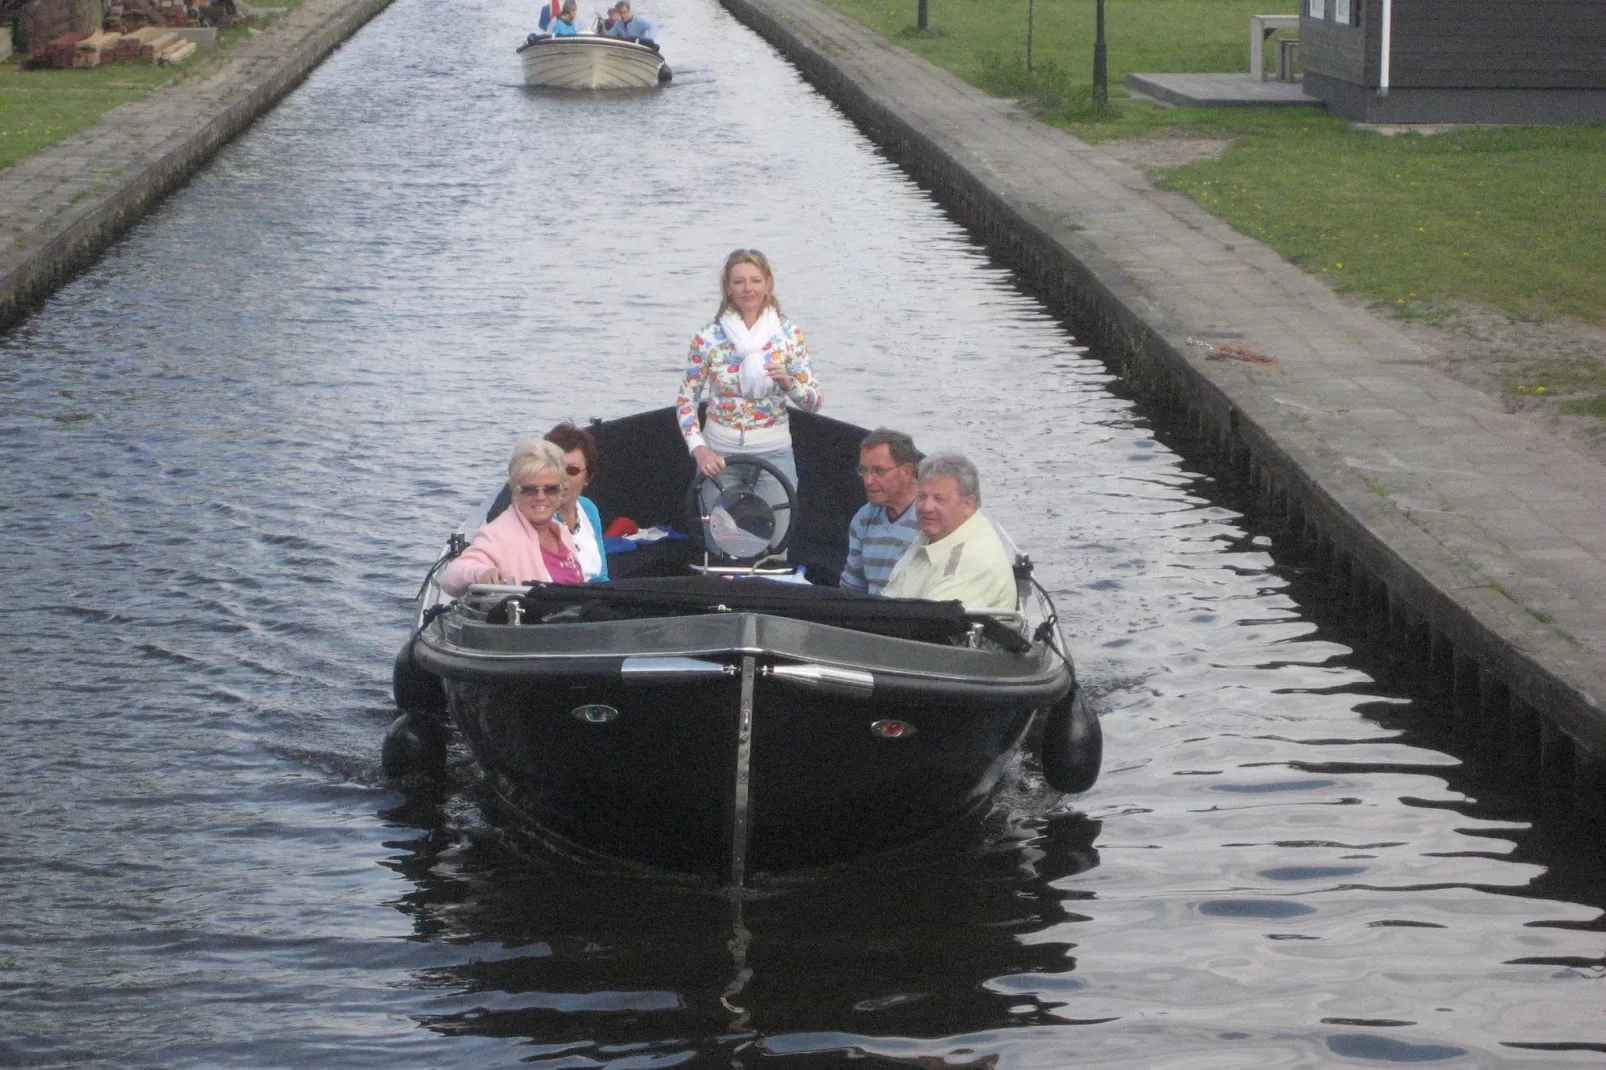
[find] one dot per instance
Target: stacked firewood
(149, 44)
(155, 44)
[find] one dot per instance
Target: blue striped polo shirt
(875, 543)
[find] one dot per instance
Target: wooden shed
(1456, 61)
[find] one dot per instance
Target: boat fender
(415, 749)
(1073, 745)
(416, 689)
(665, 75)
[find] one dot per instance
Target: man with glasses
(884, 528)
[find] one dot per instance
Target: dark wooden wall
(1466, 44)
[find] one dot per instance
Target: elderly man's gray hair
(954, 466)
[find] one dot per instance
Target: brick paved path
(1497, 515)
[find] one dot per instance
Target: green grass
(1143, 35)
(1503, 218)
(1509, 218)
(40, 108)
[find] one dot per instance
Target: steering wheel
(731, 520)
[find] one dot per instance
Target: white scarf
(750, 344)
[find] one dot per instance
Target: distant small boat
(592, 61)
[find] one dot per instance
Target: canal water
(229, 451)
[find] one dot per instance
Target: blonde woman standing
(749, 364)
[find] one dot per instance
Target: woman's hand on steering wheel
(709, 463)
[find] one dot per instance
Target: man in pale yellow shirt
(957, 554)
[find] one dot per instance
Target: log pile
(156, 44)
(94, 50)
(88, 33)
(149, 44)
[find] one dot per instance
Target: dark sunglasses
(532, 490)
(575, 470)
(746, 252)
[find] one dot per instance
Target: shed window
(1341, 12)
(1318, 9)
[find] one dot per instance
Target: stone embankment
(1469, 544)
(61, 208)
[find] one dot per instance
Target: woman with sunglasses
(578, 513)
(527, 543)
(748, 364)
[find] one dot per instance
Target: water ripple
(230, 450)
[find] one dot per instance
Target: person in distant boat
(563, 25)
(884, 526)
(527, 543)
(748, 364)
(578, 513)
(622, 23)
(957, 555)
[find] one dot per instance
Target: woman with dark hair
(748, 365)
(578, 513)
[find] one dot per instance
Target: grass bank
(1495, 218)
(40, 108)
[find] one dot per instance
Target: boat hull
(590, 62)
(749, 745)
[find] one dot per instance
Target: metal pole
(1029, 6)
(1101, 67)
(1388, 44)
(922, 16)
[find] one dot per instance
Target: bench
(1260, 28)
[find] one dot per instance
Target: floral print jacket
(713, 375)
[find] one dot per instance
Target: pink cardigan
(509, 543)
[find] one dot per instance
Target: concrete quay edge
(1456, 600)
(64, 206)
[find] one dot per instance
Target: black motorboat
(719, 706)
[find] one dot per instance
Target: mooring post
(1555, 764)
(1494, 725)
(1522, 755)
(1464, 698)
(1589, 780)
(1441, 667)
